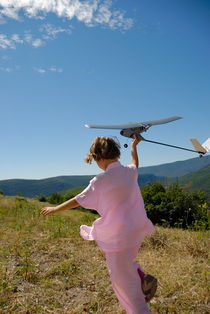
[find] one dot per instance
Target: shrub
(42, 198)
(56, 198)
(174, 207)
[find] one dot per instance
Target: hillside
(178, 168)
(197, 180)
(148, 178)
(31, 188)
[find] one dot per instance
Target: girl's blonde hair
(103, 148)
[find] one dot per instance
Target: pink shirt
(116, 196)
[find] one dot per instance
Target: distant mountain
(147, 178)
(178, 168)
(197, 180)
(31, 188)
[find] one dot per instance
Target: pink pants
(126, 281)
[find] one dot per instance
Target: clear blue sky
(65, 64)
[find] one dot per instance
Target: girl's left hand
(48, 210)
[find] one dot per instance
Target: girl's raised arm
(134, 154)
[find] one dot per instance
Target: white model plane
(130, 129)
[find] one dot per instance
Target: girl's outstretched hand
(48, 210)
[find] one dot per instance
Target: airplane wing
(162, 121)
(132, 124)
(114, 126)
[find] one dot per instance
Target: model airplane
(130, 129)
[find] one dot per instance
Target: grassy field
(46, 267)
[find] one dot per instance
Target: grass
(46, 267)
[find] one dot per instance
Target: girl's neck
(104, 163)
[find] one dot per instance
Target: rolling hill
(197, 180)
(31, 188)
(178, 168)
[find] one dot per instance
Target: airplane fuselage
(131, 131)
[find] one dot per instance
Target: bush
(56, 198)
(42, 198)
(175, 208)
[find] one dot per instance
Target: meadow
(46, 267)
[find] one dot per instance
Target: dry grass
(45, 266)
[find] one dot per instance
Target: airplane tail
(204, 148)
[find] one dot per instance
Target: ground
(46, 267)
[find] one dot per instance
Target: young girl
(123, 224)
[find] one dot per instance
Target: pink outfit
(123, 225)
(116, 196)
(126, 281)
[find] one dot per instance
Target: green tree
(175, 207)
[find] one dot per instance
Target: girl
(123, 224)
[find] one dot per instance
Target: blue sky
(67, 63)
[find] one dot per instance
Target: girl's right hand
(48, 210)
(136, 140)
